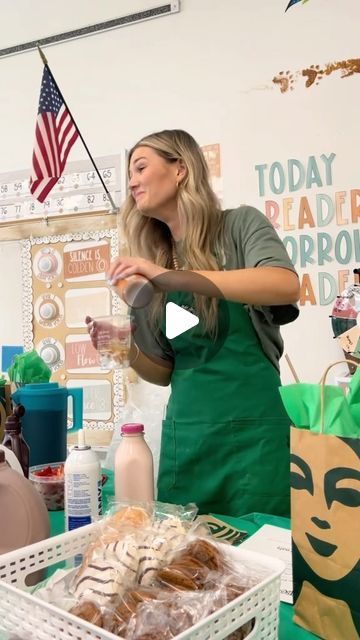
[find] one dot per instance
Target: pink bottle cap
(132, 427)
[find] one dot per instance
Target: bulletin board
(67, 244)
(63, 281)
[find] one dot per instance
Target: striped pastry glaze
(150, 558)
(170, 532)
(99, 581)
(165, 536)
(115, 565)
(111, 570)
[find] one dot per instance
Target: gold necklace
(175, 259)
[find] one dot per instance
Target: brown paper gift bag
(5, 406)
(325, 507)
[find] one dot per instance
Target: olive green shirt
(248, 240)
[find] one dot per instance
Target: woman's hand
(90, 327)
(121, 268)
(93, 328)
(114, 339)
(147, 368)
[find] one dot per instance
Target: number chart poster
(78, 190)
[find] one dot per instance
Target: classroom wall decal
(293, 2)
(314, 73)
(300, 200)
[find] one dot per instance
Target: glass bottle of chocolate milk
(133, 466)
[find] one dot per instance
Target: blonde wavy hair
(200, 219)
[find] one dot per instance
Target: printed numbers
(79, 190)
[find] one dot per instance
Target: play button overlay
(178, 320)
(175, 302)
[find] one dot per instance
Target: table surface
(250, 523)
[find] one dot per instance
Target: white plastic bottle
(82, 475)
(133, 466)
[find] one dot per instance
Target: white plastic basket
(24, 614)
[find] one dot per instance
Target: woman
(224, 440)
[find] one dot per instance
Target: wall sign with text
(63, 281)
(319, 224)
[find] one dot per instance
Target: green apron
(225, 438)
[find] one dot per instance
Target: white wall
(207, 69)
(11, 312)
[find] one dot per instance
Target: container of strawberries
(48, 479)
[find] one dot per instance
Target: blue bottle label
(78, 521)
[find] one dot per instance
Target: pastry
(183, 574)
(151, 622)
(162, 619)
(180, 618)
(88, 610)
(124, 556)
(234, 590)
(144, 595)
(114, 623)
(117, 620)
(121, 554)
(131, 599)
(129, 516)
(190, 568)
(150, 557)
(99, 580)
(127, 607)
(169, 534)
(116, 527)
(158, 634)
(206, 552)
(242, 632)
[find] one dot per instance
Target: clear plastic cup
(48, 480)
(113, 340)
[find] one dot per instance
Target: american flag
(55, 134)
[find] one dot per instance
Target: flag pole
(43, 58)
